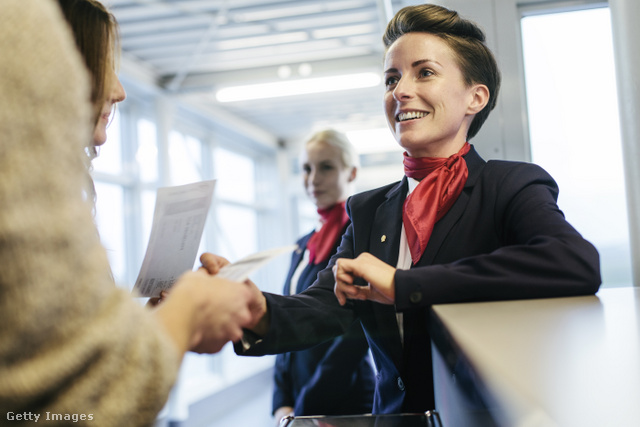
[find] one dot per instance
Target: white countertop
(555, 362)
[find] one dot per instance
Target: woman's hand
(379, 276)
(259, 320)
(202, 313)
(212, 262)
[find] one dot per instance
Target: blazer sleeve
(512, 242)
(300, 321)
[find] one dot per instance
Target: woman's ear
(352, 175)
(479, 98)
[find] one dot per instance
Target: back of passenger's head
(340, 141)
(463, 36)
(95, 31)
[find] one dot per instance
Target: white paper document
(240, 270)
(178, 221)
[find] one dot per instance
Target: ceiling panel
(192, 48)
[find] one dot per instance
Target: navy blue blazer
(332, 378)
(504, 238)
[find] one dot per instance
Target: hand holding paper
(178, 222)
(240, 270)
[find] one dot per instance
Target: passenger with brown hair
(73, 347)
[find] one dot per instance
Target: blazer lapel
(299, 251)
(384, 244)
(296, 257)
(387, 225)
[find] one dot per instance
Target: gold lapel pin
(383, 238)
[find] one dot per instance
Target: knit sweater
(72, 345)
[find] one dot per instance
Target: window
(109, 159)
(185, 158)
(574, 127)
(237, 176)
(147, 154)
(134, 162)
(110, 222)
(110, 197)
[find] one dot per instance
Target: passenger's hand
(379, 276)
(258, 306)
(212, 262)
(224, 311)
(202, 313)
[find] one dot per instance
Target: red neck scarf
(322, 242)
(441, 182)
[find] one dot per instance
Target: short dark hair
(464, 37)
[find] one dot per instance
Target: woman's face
(428, 106)
(115, 94)
(326, 179)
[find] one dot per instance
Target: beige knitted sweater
(72, 345)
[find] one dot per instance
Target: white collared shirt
(404, 257)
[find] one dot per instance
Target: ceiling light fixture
(305, 69)
(298, 87)
(284, 71)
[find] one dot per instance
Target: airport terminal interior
(228, 90)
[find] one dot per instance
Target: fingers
(223, 307)
(339, 276)
(221, 311)
(244, 316)
(344, 286)
(346, 291)
(212, 263)
(378, 276)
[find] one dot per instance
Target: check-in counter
(547, 362)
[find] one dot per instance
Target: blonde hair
(348, 153)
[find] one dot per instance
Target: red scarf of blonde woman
(441, 182)
(322, 242)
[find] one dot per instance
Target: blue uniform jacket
(332, 378)
(504, 238)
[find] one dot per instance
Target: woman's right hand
(212, 262)
(203, 312)
(259, 319)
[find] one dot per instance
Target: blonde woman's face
(326, 180)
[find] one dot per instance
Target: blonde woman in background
(335, 377)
